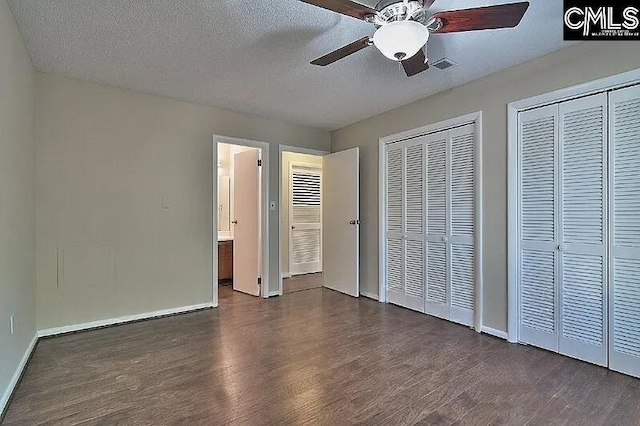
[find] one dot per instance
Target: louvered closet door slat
(624, 293)
(414, 184)
(437, 274)
(436, 301)
(437, 184)
(414, 224)
(462, 224)
(538, 137)
(395, 271)
(538, 299)
(394, 191)
(462, 181)
(394, 196)
(414, 275)
(583, 307)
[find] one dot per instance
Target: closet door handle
(235, 222)
(560, 248)
(445, 239)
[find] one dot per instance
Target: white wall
(574, 65)
(287, 158)
(106, 158)
(17, 200)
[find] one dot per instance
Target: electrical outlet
(11, 324)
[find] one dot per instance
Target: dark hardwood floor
(315, 357)
(301, 282)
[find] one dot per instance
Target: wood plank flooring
(302, 282)
(311, 357)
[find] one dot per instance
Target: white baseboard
(369, 295)
(492, 331)
(121, 320)
(16, 376)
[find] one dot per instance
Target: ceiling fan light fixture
(400, 40)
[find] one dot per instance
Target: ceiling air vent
(444, 63)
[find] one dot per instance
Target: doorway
(301, 209)
(319, 221)
(240, 217)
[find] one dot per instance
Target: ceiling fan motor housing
(394, 10)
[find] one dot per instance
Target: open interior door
(246, 223)
(341, 217)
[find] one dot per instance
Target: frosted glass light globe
(400, 40)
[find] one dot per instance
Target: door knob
(561, 247)
(354, 222)
(235, 222)
(445, 239)
(293, 227)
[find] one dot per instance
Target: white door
(582, 234)
(538, 281)
(246, 223)
(405, 244)
(563, 236)
(461, 223)
(624, 208)
(305, 217)
(438, 296)
(341, 219)
(450, 212)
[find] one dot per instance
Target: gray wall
(574, 65)
(105, 159)
(17, 199)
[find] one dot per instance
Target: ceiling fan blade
(346, 7)
(343, 52)
(415, 64)
(427, 3)
(482, 18)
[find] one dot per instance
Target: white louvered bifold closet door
(582, 325)
(306, 220)
(624, 210)
(414, 186)
(405, 224)
(394, 207)
(461, 211)
(438, 297)
(538, 137)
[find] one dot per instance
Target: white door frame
(473, 118)
(281, 149)
(264, 222)
(309, 166)
(617, 81)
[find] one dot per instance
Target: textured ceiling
(253, 56)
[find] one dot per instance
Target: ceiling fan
(404, 26)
